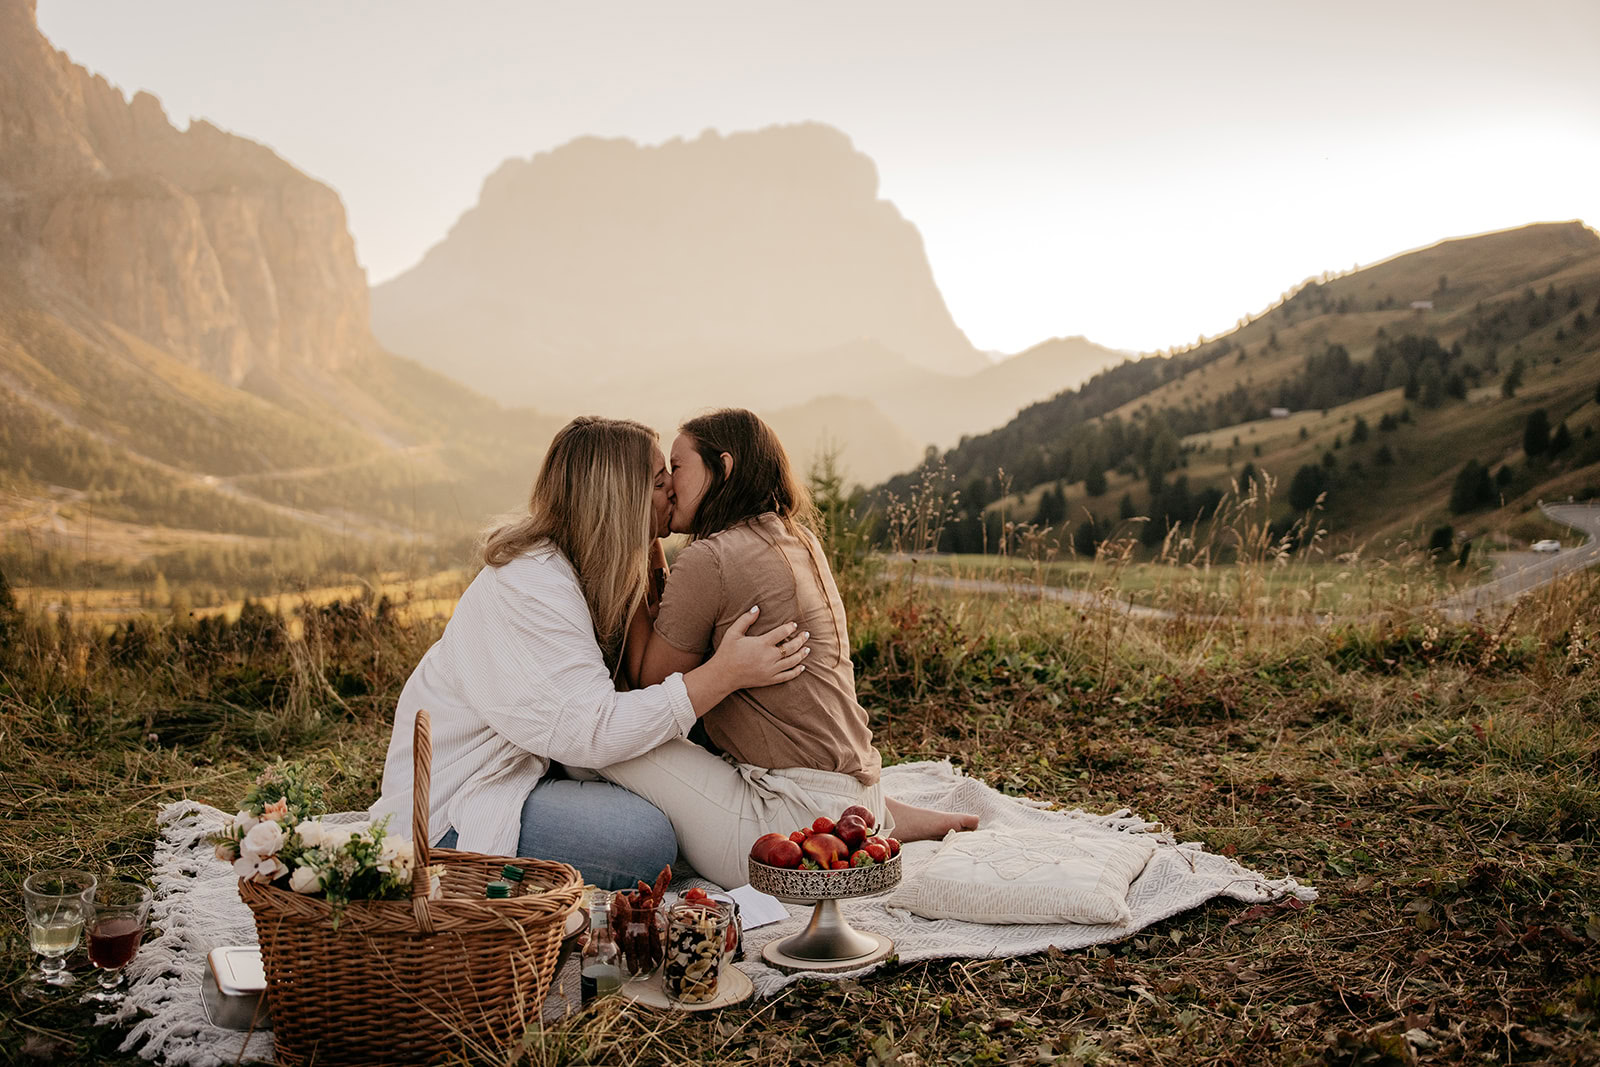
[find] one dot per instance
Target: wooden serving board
(734, 987)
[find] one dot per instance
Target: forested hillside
(1370, 391)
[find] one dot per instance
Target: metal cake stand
(829, 942)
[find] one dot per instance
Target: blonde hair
(592, 501)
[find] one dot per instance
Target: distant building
(1279, 413)
(1422, 305)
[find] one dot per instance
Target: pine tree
(1440, 541)
(1513, 379)
(1086, 539)
(1308, 484)
(1536, 433)
(1052, 507)
(1472, 489)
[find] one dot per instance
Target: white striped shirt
(516, 681)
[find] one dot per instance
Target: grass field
(1439, 784)
(1294, 588)
(422, 599)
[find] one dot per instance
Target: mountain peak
(204, 244)
(593, 261)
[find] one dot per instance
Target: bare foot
(924, 824)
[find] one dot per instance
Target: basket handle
(421, 781)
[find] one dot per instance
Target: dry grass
(1438, 783)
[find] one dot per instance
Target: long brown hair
(592, 501)
(762, 480)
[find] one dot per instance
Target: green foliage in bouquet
(348, 863)
(289, 783)
(278, 838)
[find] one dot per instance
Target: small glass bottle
(602, 972)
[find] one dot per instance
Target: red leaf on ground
(1261, 911)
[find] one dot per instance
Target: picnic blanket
(197, 908)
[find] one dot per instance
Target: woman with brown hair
(785, 754)
(523, 678)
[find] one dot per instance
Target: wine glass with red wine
(118, 912)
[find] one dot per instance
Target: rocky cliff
(200, 242)
(587, 268)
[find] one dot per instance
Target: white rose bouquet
(276, 839)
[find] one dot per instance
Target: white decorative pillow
(1028, 876)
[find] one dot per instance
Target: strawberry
(861, 858)
(798, 837)
(822, 825)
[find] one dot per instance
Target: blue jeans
(612, 836)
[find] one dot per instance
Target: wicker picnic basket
(404, 981)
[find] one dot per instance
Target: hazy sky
(1138, 173)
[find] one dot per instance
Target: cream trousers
(718, 807)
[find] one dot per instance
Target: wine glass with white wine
(56, 905)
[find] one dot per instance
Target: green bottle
(510, 878)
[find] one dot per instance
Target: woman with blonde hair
(522, 681)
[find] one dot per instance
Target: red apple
(822, 825)
(783, 853)
(824, 849)
(762, 849)
(864, 814)
(851, 830)
(894, 846)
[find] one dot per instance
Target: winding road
(362, 527)
(1525, 579)
(1458, 606)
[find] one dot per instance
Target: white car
(1547, 545)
